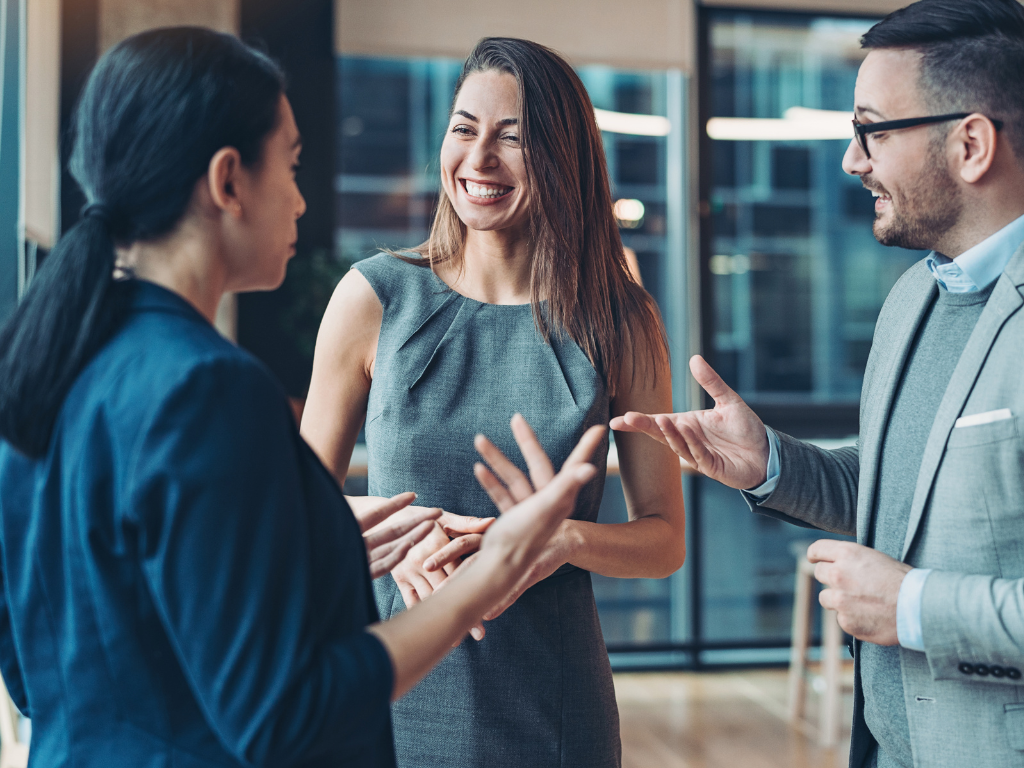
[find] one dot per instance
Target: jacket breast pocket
(977, 503)
(983, 434)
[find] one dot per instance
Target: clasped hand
(434, 560)
(862, 585)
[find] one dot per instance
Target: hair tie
(100, 210)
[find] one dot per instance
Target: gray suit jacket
(966, 522)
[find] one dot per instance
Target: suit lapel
(917, 297)
(1005, 300)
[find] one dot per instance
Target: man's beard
(918, 218)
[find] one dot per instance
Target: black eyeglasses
(861, 130)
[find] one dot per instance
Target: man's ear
(223, 179)
(976, 141)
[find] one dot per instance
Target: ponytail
(154, 111)
(71, 308)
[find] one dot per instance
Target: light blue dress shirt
(973, 270)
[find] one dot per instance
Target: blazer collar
(150, 297)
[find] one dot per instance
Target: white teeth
(486, 191)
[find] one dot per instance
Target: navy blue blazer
(183, 582)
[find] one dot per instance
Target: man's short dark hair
(973, 56)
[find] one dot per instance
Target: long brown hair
(579, 269)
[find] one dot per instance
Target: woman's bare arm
(346, 347)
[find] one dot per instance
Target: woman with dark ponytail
(183, 582)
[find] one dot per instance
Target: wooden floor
(718, 720)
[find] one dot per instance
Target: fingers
(825, 550)
(455, 550)
(537, 461)
(381, 512)
(408, 594)
(555, 501)
(499, 493)
(386, 556)
(712, 382)
(586, 446)
(638, 422)
(378, 536)
(685, 443)
(458, 524)
(826, 574)
(423, 587)
(518, 485)
(828, 598)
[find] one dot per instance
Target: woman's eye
(462, 130)
(511, 137)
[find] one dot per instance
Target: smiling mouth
(485, 191)
(879, 195)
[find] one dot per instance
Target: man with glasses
(933, 590)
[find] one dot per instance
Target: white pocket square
(983, 418)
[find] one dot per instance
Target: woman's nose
(483, 155)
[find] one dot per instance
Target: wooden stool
(13, 752)
(829, 683)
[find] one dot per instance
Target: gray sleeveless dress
(537, 691)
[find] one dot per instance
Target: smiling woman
(520, 301)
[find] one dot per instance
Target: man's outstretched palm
(727, 443)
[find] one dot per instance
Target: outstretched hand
(508, 486)
(727, 443)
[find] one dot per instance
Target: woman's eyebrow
(466, 115)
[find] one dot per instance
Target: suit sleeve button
(1013, 673)
(996, 671)
(981, 670)
(965, 668)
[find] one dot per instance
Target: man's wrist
(909, 631)
(773, 469)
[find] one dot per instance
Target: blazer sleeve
(976, 620)
(817, 487)
(228, 556)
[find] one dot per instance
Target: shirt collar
(977, 268)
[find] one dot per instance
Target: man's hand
(727, 443)
(861, 585)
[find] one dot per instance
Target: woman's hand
(551, 558)
(466, 534)
(514, 487)
(392, 528)
(418, 638)
(429, 563)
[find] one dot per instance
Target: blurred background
(724, 124)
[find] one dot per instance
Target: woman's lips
(484, 194)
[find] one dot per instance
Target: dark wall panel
(299, 35)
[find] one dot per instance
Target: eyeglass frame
(861, 130)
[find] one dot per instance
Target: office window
(795, 278)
